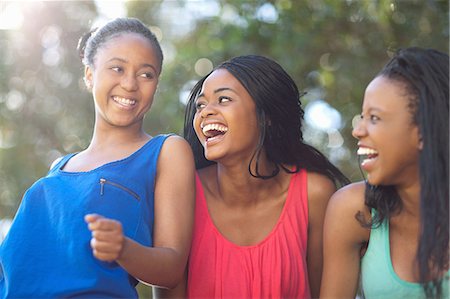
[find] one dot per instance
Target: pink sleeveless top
(274, 268)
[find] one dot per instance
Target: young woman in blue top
(393, 229)
(122, 209)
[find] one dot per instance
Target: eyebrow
(217, 91)
(375, 109)
(126, 61)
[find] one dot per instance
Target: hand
(108, 239)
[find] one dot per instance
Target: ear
(88, 77)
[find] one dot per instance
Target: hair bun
(82, 42)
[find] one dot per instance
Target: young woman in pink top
(261, 191)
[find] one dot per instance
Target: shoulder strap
(58, 163)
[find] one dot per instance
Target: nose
(359, 128)
(208, 110)
(129, 83)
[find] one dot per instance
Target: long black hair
(279, 115)
(424, 73)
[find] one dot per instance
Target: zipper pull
(102, 184)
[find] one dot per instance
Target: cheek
(150, 90)
(196, 126)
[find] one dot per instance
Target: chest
(403, 245)
(251, 252)
(249, 224)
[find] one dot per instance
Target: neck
(410, 196)
(117, 137)
(236, 186)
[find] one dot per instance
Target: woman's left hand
(108, 239)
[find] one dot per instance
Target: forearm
(178, 292)
(154, 265)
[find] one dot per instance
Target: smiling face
(388, 139)
(123, 79)
(225, 120)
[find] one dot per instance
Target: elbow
(172, 280)
(167, 284)
(170, 284)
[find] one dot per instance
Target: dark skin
(246, 216)
(386, 128)
(123, 81)
(243, 208)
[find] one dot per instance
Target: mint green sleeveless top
(378, 278)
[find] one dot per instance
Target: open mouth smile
(369, 155)
(124, 102)
(213, 131)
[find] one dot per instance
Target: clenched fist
(107, 237)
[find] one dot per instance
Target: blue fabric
(47, 251)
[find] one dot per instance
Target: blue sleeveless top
(378, 278)
(47, 251)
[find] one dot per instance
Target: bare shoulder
(176, 143)
(342, 211)
(349, 197)
(174, 149)
(176, 157)
(55, 162)
(175, 174)
(320, 189)
(320, 185)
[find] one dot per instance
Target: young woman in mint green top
(378, 277)
(392, 230)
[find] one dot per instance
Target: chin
(377, 181)
(374, 181)
(211, 158)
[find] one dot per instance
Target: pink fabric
(274, 268)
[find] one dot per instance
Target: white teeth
(366, 151)
(124, 101)
(365, 161)
(209, 139)
(216, 127)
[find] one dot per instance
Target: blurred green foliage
(331, 48)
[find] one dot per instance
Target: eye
(199, 106)
(147, 75)
(374, 118)
(116, 69)
(223, 99)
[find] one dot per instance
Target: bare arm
(163, 264)
(343, 238)
(320, 189)
(175, 293)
